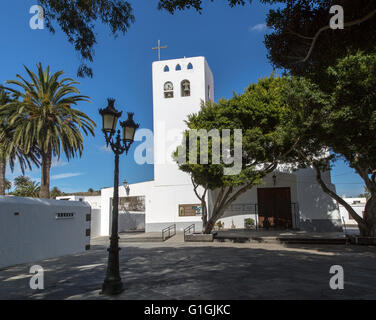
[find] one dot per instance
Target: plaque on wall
(186, 210)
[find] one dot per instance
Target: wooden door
(274, 204)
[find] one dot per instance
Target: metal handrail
(169, 232)
(188, 229)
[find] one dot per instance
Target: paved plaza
(178, 270)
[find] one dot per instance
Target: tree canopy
(302, 42)
(42, 116)
(16, 154)
(25, 187)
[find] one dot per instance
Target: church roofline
(177, 59)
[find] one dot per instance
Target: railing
(244, 209)
(188, 230)
(168, 230)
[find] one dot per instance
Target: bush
(249, 223)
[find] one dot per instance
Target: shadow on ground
(204, 272)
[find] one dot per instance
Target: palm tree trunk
(3, 165)
(45, 176)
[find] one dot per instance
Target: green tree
(56, 192)
(25, 187)
(43, 116)
(91, 190)
(260, 113)
(8, 185)
(16, 153)
(343, 121)
(302, 42)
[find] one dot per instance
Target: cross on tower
(159, 49)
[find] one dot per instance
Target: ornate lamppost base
(112, 287)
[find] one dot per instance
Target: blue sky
(231, 39)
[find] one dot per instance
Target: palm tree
(8, 185)
(43, 116)
(25, 187)
(10, 153)
(55, 192)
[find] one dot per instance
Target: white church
(179, 86)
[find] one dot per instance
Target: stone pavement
(177, 270)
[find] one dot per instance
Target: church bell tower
(179, 87)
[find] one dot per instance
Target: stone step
(285, 240)
(141, 239)
(313, 240)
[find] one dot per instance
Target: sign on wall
(189, 210)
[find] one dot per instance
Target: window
(185, 88)
(166, 69)
(178, 67)
(68, 215)
(168, 90)
(190, 66)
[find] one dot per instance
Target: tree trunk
(3, 165)
(210, 225)
(45, 176)
(216, 215)
(204, 214)
(370, 217)
(222, 204)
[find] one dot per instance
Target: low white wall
(358, 204)
(35, 229)
(95, 222)
(94, 201)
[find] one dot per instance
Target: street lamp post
(126, 187)
(112, 283)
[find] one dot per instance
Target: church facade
(294, 197)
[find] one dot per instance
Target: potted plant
(220, 225)
(249, 223)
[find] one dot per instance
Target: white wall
(30, 231)
(164, 204)
(137, 189)
(318, 211)
(161, 205)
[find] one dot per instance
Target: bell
(186, 87)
